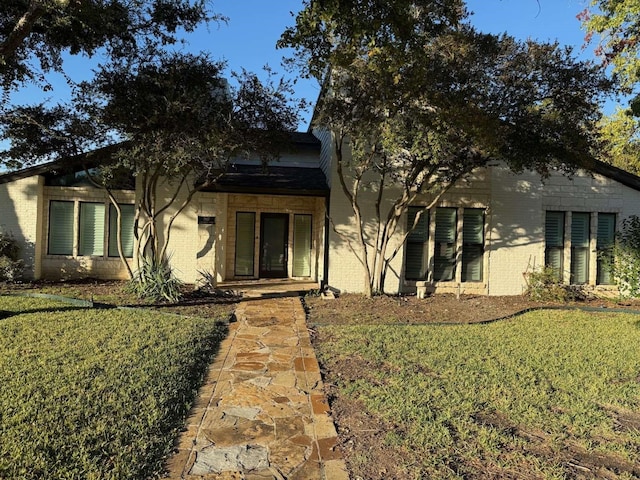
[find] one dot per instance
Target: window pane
(472, 257)
(128, 214)
(473, 226)
(554, 229)
(91, 229)
(416, 245)
(580, 229)
(554, 242)
(245, 235)
(604, 244)
(445, 244)
(473, 244)
(302, 245)
(61, 228)
(580, 247)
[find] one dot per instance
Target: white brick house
(481, 237)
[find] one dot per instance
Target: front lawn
(95, 394)
(548, 395)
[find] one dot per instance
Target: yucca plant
(155, 281)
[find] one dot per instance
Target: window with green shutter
(128, 215)
(554, 242)
(604, 245)
(302, 245)
(61, 220)
(444, 261)
(472, 244)
(580, 228)
(415, 259)
(91, 229)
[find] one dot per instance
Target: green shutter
(245, 236)
(554, 242)
(445, 244)
(91, 240)
(61, 228)
(128, 216)
(580, 247)
(580, 229)
(473, 244)
(416, 245)
(473, 226)
(554, 229)
(606, 229)
(604, 244)
(302, 245)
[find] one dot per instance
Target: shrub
(543, 285)
(11, 265)
(625, 267)
(155, 281)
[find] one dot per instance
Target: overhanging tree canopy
(421, 99)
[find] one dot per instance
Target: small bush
(543, 285)
(625, 267)
(156, 282)
(11, 265)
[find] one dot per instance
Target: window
(245, 235)
(445, 244)
(604, 244)
(580, 232)
(415, 261)
(61, 228)
(302, 245)
(554, 242)
(472, 244)
(89, 225)
(127, 221)
(91, 240)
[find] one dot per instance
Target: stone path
(261, 413)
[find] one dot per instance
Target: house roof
(299, 141)
(274, 180)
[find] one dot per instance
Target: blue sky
(255, 25)
(248, 40)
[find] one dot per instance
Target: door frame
(285, 247)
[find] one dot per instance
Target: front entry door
(274, 230)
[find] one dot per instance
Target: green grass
(95, 394)
(537, 395)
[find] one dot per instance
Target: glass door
(274, 230)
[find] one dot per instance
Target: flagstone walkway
(261, 413)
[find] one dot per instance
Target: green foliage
(11, 265)
(155, 281)
(617, 23)
(95, 394)
(625, 267)
(506, 398)
(35, 34)
(417, 99)
(620, 133)
(544, 285)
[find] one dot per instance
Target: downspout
(325, 269)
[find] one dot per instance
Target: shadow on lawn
(8, 313)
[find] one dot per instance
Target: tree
(617, 24)
(34, 34)
(416, 99)
(620, 132)
(180, 123)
